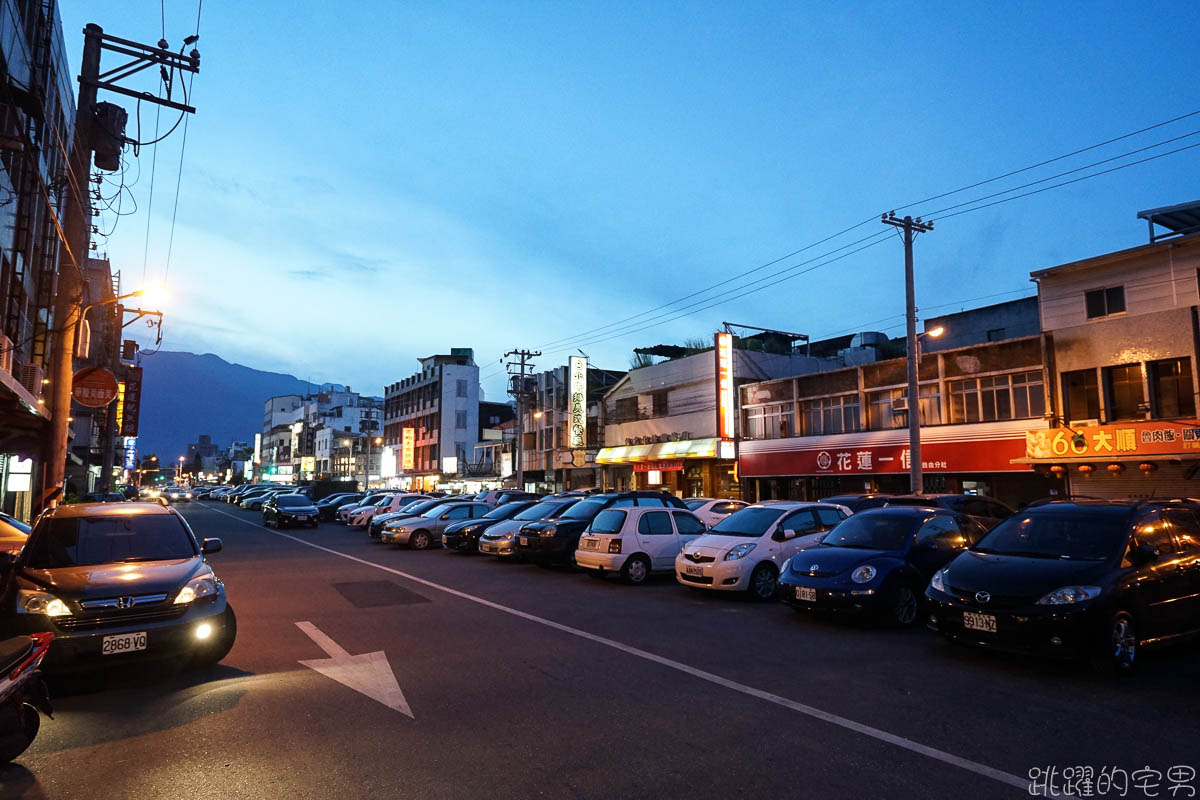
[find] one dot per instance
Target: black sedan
(327, 506)
(1096, 579)
(877, 562)
(464, 536)
(283, 510)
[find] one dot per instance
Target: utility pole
(76, 229)
(523, 367)
(911, 227)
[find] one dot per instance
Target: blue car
(877, 562)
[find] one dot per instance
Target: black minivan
(1098, 579)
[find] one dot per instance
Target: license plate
(806, 593)
(979, 622)
(524, 540)
(302, 519)
(122, 643)
(697, 572)
(487, 548)
(591, 544)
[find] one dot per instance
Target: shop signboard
(725, 404)
(1121, 440)
(577, 399)
(659, 466)
(408, 440)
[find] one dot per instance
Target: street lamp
(916, 478)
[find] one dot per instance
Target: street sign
(94, 387)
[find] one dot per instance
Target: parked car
(104, 497)
(218, 493)
(859, 502)
(328, 506)
(363, 516)
(1094, 579)
(498, 497)
(711, 510)
(419, 532)
(554, 541)
(745, 551)
(116, 583)
(877, 562)
(13, 533)
(235, 495)
(634, 542)
(283, 510)
(983, 509)
(177, 494)
(501, 539)
(464, 536)
(253, 501)
(413, 509)
(346, 509)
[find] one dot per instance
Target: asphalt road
(527, 682)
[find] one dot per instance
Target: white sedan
(744, 552)
(712, 510)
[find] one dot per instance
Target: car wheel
(763, 582)
(903, 607)
(636, 570)
(17, 739)
(419, 540)
(224, 642)
(1118, 655)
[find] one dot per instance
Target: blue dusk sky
(369, 183)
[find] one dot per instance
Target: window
(995, 397)
(1171, 388)
(964, 401)
(888, 408)
(655, 523)
(655, 502)
(943, 532)
(461, 388)
(627, 409)
(1028, 398)
(995, 334)
(460, 420)
(1081, 395)
(687, 523)
(1123, 385)
(660, 404)
(831, 415)
(830, 516)
(1187, 531)
(1154, 532)
(800, 523)
(458, 512)
(1103, 302)
(769, 422)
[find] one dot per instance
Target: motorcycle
(22, 692)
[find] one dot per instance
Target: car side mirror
(784, 534)
(210, 546)
(1144, 554)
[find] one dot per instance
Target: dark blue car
(877, 562)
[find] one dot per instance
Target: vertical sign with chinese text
(725, 402)
(132, 402)
(408, 440)
(577, 402)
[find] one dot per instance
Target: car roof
(106, 510)
(791, 503)
(910, 511)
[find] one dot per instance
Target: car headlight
(786, 563)
(188, 495)
(1070, 594)
(864, 574)
(739, 552)
(30, 601)
(510, 534)
(200, 586)
(938, 580)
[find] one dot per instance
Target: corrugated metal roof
(1178, 219)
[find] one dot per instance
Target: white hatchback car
(711, 511)
(744, 551)
(362, 516)
(635, 541)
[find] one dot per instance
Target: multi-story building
(37, 118)
(1122, 336)
(548, 462)
(280, 417)
(671, 424)
(340, 411)
(431, 420)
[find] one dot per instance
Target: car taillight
(614, 545)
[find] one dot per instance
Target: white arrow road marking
(368, 673)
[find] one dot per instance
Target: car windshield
(1086, 537)
(583, 510)
(694, 504)
(748, 521)
(873, 531)
(81, 541)
(430, 513)
(609, 520)
(292, 500)
(420, 507)
(505, 511)
(542, 511)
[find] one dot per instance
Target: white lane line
(816, 713)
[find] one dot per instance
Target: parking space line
(833, 719)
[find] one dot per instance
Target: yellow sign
(725, 403)
(408, 440)
(120, 404)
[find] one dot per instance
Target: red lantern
(1115, 469)
(1086, 469)
(1058, 470)
(1147, 467)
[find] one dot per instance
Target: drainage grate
(369, 594)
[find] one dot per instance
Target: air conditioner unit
(1083, 423)
(900, 405)
(6, 354)
(30, 376)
